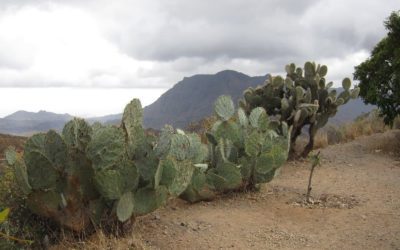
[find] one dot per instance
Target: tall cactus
(302, 98)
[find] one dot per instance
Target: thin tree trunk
(314, 164)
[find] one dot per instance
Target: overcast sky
(91, 57)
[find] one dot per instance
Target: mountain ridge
(189, 100)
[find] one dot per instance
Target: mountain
(38, 116)
(192, 98)
(26, 123)
(350, 111)
(107, 119)
(188, 101)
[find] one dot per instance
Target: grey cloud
(256, 37)
(259, 30)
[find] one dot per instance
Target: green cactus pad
(346, 83)
(132, 124)
(264, 163)
(129, 175)
(299, 72)
(194, 150)
(284, 103)
(147, 166)
(158, 175)
(106, 148)
(231, 176)
(258, 118)
(323, 70)
(243, 121)
(309, 69)
(290, 69)
(11, 155)
(44, 203)
(224, 107)
(80, 175)
(277, 81)
(299, 93)
(109, 184)
(252, 144)
(345, 95)
(285, 129)
(198, 179)
(168, 176)
(246, 166)
(55, 150)
(339, 101)
(265, 178)
(77, 133)
(147, 200)
(228, 130)
(125, 206)
(21, 177)
(41, 172)
(176, 175)
(198, 188)
(164, 141)
(180, 145)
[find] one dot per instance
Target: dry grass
(100, 240)
(366, 124)
(321, 140)
(11, 140)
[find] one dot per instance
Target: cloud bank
(153, 44)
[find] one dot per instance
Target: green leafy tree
(379, 75)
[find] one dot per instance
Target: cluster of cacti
(91, 174)
(302, 98)
(243, 152)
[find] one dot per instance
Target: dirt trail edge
(356, 206)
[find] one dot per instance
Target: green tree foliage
(379, 75)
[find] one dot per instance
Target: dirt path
(357, 207)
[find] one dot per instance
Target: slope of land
(9, 140)
(192, 98)
(357, 206)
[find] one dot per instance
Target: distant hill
(37, 116)
(350, 111)
(192, 99)
(187, 101)
(26, 123)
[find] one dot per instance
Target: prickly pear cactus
(99, 174)
(89, 172)
(302, 98)
(244, 150)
